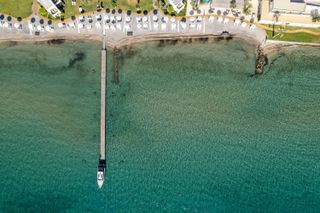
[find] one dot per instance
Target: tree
(247, 7)
(43, 11)
(276, 16)
(233, 4)
(315, 15)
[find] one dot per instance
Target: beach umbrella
(128, 12)
(107, 10)
(251, 20)
(155, 12)
(49, 22)
(155, 18)
(183, 19)
(199, 11)
(73, 18)
(119, 11)
(113, 11)
(145, 12)
(1, 17)
(41, 21)
(219, 12)
(19, 19)
(225, 13)
(242, 18)
(9, 18)
(33, 20)
(99, 8)
(210, 10)
(191, 12)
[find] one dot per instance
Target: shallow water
(189, 129)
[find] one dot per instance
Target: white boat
(100, 172)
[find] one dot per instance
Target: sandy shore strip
(271, 47)
(127, 41)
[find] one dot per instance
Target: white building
(177, 5)
(294, 6)
(51, 7)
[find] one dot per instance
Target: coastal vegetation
(91, 5)
(315, 15)
(16, 8)
(233, 4)
(43, 11)
(295, 34)
(247, 7)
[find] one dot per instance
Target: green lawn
(16, 8)
(297, 37)
(90, 5)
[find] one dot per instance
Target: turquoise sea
(189, 129)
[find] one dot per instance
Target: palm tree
(276, 16)
(275, 19)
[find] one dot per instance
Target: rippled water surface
(189, 129)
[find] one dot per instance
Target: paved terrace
(120, 27)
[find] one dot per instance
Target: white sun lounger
(163, 26)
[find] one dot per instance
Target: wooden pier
(102, 157)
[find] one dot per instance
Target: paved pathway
(35, 7)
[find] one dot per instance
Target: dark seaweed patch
(161, 43)
(11, 43)
(79, 56)
(56, 41)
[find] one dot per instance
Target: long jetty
(103, 101)
(102, 158)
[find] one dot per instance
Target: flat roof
(289, 5)
(47, 4)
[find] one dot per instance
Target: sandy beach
(122, 42)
